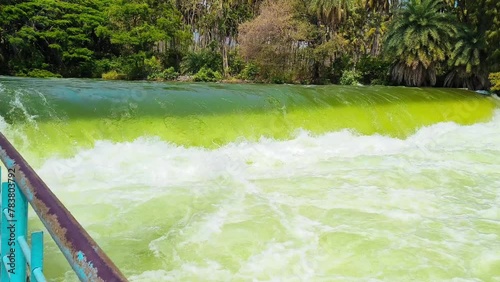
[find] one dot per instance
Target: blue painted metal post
(14, 225)
(3, 237)
(21, 229)
(15, 253)
(83, 254)
(37, 257)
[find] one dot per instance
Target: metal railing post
(4, 239)
(86, 258)
(14, 226)
(37, 256)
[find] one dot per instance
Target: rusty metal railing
(86, 258)
(18, 260)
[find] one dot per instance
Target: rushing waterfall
(212, 182)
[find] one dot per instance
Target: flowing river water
(213, 182)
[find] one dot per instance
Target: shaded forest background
(453, 43)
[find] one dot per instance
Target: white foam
(154, 162)
(208, 271)
(17, 103)
(425, 194)
(4, 126)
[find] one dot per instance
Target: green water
(211, 182)
(80, 112)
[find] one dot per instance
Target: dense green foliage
(207, 75)
(113, 75)
(420, 38)
(416, 42)
(350, 77)
(495, 81)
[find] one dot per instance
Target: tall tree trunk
(225, 56)
(375, 47)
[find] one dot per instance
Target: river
(214, 182)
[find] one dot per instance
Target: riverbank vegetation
(453, 43)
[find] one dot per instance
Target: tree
(477, 50)
(53, 35)
(419, 38)
(380, 6)
(217, 21)
(139, 25)
(468, 61)
(276, 40)
(330, 12)
(495, 81)
(493, 34)
(483, 18)
(141, 29)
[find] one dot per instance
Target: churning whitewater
(316, 206)
(333, 207)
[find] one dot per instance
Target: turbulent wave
(339, 206)
(61, 116)
(385, 187)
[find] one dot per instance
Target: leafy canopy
(419, 38)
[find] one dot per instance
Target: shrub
(102, 66)
(277, 80)
(350, 77)
(236, 63)
(126, 67)
(170, 74)
(250, 72)
(374, 70)
(338, 67)
(155, 77)
(153, 67)
(171, 57)
(495, 81)
(113, 75)
(133, 66)
(193, 62)
(42, 73)
(207, 75)
(283, 77)
(379, 82)
(20, 73)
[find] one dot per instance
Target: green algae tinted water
(211, 182)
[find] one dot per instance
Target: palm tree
(419, 38)
(330, 12)
(378, 5)
(379, 11)
(467, 61)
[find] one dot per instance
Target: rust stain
(84, 255)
